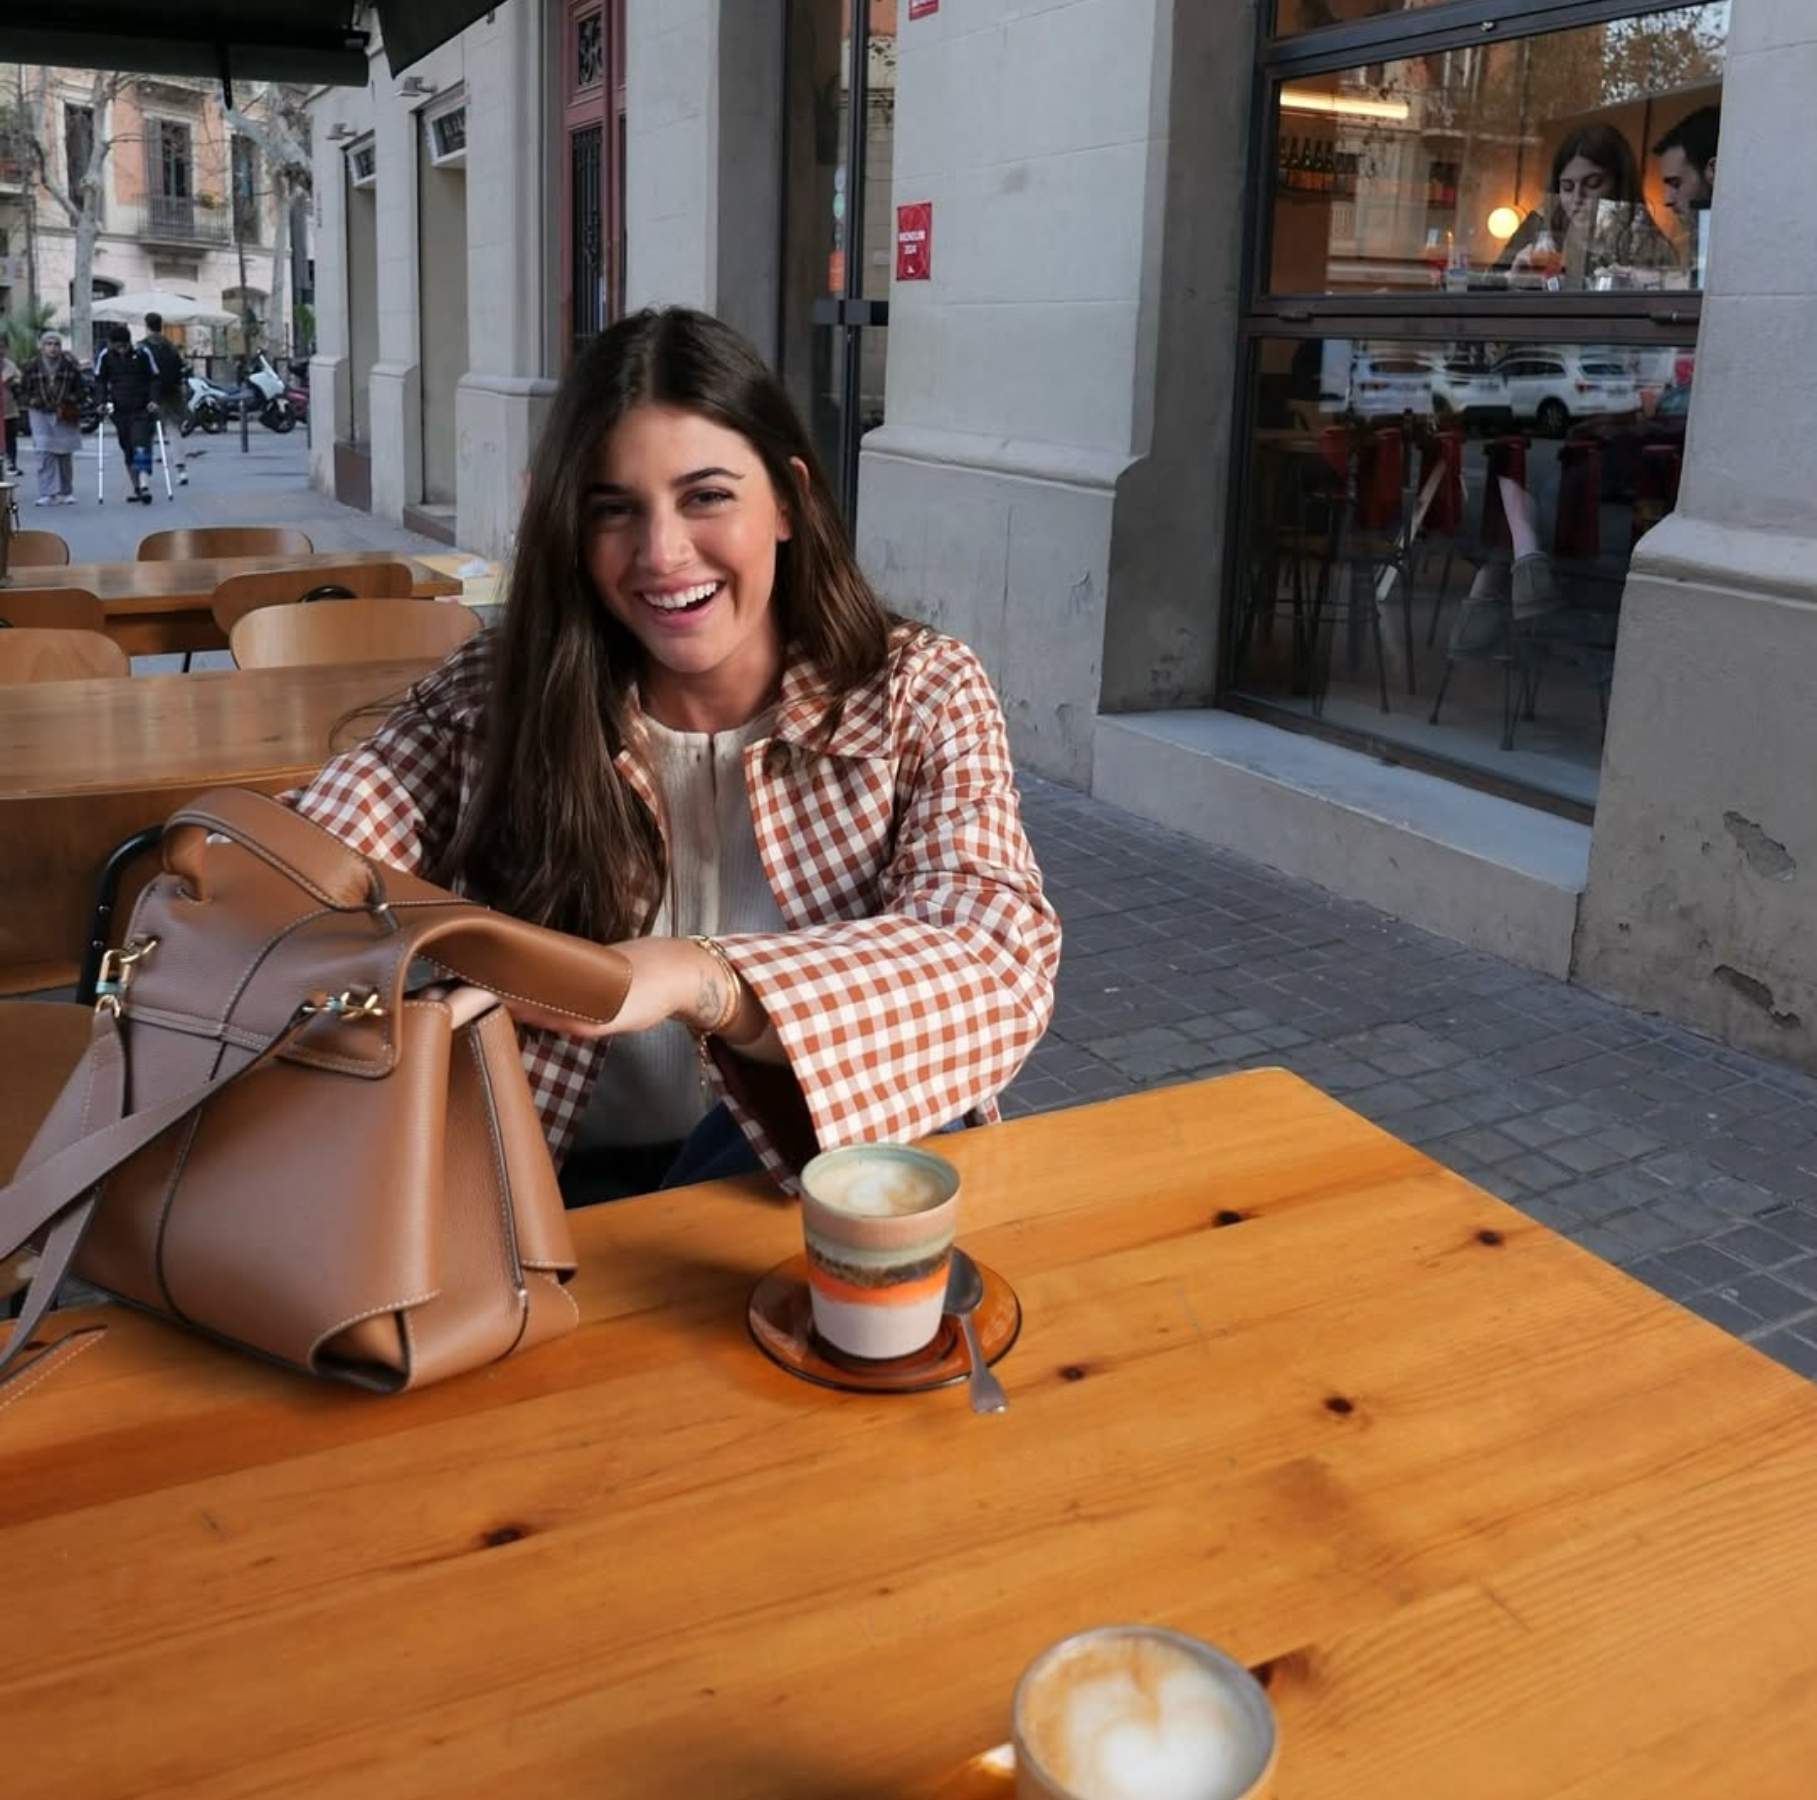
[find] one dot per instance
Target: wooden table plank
(1560, 1539)
(84, 764)
(155, 608)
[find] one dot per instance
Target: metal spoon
(964, 1289)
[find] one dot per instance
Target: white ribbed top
(651, 1088)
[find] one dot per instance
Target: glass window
(78, 144)
(1576, 160)
(1437, 537)
(246, 195)
(448, 132)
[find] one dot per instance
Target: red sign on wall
(915, 240)
(919, 9)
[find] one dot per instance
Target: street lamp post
(239, 244)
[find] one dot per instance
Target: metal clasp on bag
(346, 1005)
(116, 973)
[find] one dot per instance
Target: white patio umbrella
(176, 309)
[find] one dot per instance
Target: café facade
(1365, 434)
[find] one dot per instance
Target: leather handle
(314, 859)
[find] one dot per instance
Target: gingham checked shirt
(917, 970)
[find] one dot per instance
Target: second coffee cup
(879, 1221)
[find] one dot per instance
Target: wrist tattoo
(720, 995)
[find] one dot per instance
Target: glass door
(838, 223)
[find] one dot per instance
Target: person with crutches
(167, 397)
(125, 378)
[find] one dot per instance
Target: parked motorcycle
(91, 402)
(297, 394)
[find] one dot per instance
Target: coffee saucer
(782, 1323)
(991, 1775)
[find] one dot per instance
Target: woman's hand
(671, 978)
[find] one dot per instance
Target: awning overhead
(304, 41)
(412, 28)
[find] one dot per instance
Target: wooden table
(1492, 1519)
(84, 764)
(157, 607)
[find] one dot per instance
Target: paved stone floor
(1692, 1166)
(267, 485)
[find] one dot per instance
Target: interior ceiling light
(1350, 106)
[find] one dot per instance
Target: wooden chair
(239, 595)
(191, 542)
(41, 1041)
(38, 550)
(35, 654)
(56, 609)
(350, 631)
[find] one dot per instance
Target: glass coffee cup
(1138, 1712)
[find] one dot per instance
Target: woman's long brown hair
(553, 833)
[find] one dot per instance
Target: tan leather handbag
(302, 1125)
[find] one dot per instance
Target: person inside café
(1687, 177)
(1593, 228)
(698, 736)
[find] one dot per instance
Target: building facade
(182, 196)
(1363, 433)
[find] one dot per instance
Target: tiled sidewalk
(1692, 1166)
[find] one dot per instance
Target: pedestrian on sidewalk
(50, 390)
(9, 405)
(168, 392)
(126, 386)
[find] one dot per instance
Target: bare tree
(80, 196)
(282, 134)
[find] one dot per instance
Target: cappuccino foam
(884, 1189)
(1136, 1718)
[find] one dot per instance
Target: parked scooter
(296, 391)
(202, 406)
(275, 408)
(260, 392)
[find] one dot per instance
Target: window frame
(442, 108)
(1452, 23)
(1655, 319)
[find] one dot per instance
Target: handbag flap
(259, 910)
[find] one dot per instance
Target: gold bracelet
(734, 988)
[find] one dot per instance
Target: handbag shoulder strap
(60, 1191)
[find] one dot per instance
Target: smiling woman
(698, 735)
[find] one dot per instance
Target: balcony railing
(173, 219)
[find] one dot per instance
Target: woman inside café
(696, 735)
(1594, 228)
